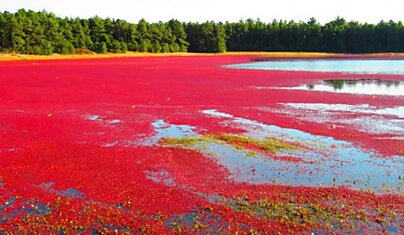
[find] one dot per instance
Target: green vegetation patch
(310, 214)
(268, 145)
(185, 141)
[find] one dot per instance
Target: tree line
(42, 32)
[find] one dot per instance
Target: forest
(30, 32)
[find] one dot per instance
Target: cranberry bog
(188, 145)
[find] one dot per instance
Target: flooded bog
(359, 87)
(319, 160)
(362, 66)
(179, 144)
(363, 86)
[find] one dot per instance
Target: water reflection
(340, 83)
(363, 86)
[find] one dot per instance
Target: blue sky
(371, 11)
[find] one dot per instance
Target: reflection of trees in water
(338, 84)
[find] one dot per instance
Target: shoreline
(100, 122)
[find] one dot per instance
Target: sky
(371, 11)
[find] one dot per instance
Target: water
(364, 118)
(326, 161)
(166, 130)
(91, 117)
(397, 111)
(161, 176)
(360, 87)
(363, 66)
(68, 193)
(11, 209)
(210, 223)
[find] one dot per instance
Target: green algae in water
(268, 145)
(342, 219)
(185, 141)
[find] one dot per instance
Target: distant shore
(265, 55)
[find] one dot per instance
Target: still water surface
(362, 66)
(360, 87)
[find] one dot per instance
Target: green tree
(45, 33)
